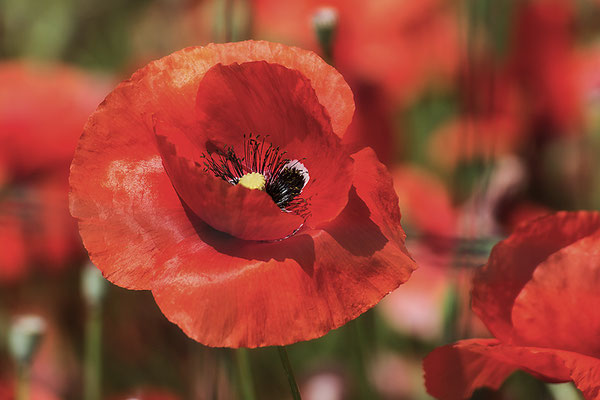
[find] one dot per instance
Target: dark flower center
(283, 179)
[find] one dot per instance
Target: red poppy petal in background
(226, 292)
(425, 201)
(497, 285)
(241, 212)
(455, 371)
(54, 238)
(543, 60)
(399, 45)
(556, 308)
(269, 99)
(42, 111)
(13, 257)
(373, 125)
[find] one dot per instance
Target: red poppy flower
(544, 63)
(42, 113)
(161, 184)
(537, 296)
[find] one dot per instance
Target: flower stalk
(287, 367)
(244, 374)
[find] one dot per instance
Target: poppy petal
(455, 371)
(134, 214)
(375, 187)
(13, 257)
(567, 281)
(497, 285)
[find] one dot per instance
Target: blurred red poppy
(216, 177)
(544, 63)
(42, 113)
(399, 45)
(426, 202)
(534, 295)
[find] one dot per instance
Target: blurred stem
(93, 352)
(245, 374)
(287, 367)
(360, 351)
(228, 20)
(22, 381)
(451, 312)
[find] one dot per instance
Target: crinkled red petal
(555, 308)
(453, 372)
(513, 261)
(126, 205)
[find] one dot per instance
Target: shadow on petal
(299, 248)
(354, 230)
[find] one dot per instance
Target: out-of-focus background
(486, 112)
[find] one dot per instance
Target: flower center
(263, 167)
(253, 180)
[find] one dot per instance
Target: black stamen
(283, 182)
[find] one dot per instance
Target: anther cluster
(284, 179)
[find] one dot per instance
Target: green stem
(22, 382)
(361, 349)
(245, 374)
(228, 20)
(285, 362)
(93, 353)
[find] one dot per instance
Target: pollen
(253, 180)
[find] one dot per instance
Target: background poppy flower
(233, 266)
(534, 295)
(42, 112)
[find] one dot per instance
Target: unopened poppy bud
(24, 337)
(93, 284)
(325, 22)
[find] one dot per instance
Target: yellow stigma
(253, 180)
